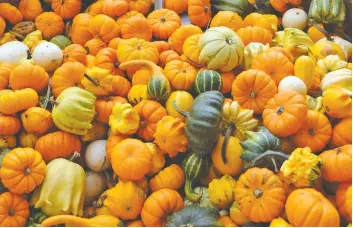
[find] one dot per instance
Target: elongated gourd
(70, 220)
(304, 68)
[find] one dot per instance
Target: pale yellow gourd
(304, 68)
(220, 191)
(341, 78)
(33, 38)
(328, 64)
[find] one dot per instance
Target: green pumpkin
(262, 149)
(241, 7)
(158, 88)
(204, 198)
(203, 122)
(61, 41)
(194, 216)
(195, 167)
(208, 80)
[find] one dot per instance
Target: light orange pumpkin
(178, 6)
(114, 43)
(12, 102)
(67, 9)
(30, 9)
(9, 125)
(161, 45)
(254, 34)
(94, 45)
(113, 8)
(181, 75)
(283, 5)
(37, 120)
(342, 133)
(50, 24)
(142, 6)
(315, 133)
(80, 33)
(5, 72)
(134, 49)
(199, 12)
(121, 20)
(168, 56)
(228, 19)
(106, 58)
(344, 200)
(177, 39)
(171, 177)
(120, 86)
(163, 22)
(112, 141)
(10, 13)
(74, 53)
(15, 210)
(104, 27)
(104, 107)
(136, 27)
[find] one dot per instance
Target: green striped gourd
(195, 167)
(158, 87)
(208, 80)
(202, 127)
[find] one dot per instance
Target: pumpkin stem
(316, 25)
(11, 212)
(280, 110)
(27, 171)
(311, 131)
(74, 156)
(91, 79)
(253, 94)
(258, 193)
(229, 131)
(179, 110)
(163, 19)
(189, 192)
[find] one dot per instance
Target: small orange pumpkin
(171, 177)
(228, 19)
(80, 33)
(342, 133)
(177, 39)
(104, 27)
(142, 6)
(50, 24)
(5, 72)
(29, 76)
(168, 56)
(181, 75)
(121, 20)
(15, 210)
(58, 144)
(10, 13)
(9, 125)
(30, 9)
(227, 81)
(104, 107)
(37, 120)
(67, 9)
(106, 58)
(136, 27)
(75, 53)
(94, 45)
(161, 45)
(163, 22)
(111, 142)
(255, 34)
(22, 170)
(199, 12)
(114, 43)
(120, 86)
(178, 6)
(131, 159)
(12, 102)
(344, 200)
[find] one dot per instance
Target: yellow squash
(328, 64)
(124, 119)
(33, 38)
(98, 81)
(304, 68)
(220, 191)
(339, 78)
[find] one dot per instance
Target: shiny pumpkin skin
(9, 125)
(204, 116)
(171, 177)
(15, 210)
(337, 164)
(12, 102)
(344, 200)
(342, 133)
(257, 187)
(159, 204)
(313, 210)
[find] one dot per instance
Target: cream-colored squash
(292, 83)
(340, 78)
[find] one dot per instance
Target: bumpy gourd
(341, 78)
(204, 200)
(251, 51)
(302, 168)
(74, 110)
(220, 191)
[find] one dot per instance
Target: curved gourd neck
(155, 70)
(65, 219)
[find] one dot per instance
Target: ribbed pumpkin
(257, 187)
(127, 15)
(252, 89)
(163, 22)
(13, 101)
(150, 113)
(199, 12)
(37, 120)
(94, 45)
(104, 107)
(5, 71)
(228, 19)
(255, 34)
(168, 56)
(178, 6)
(15, 210)
(207, 80)
(267, 21)
(177, 39)
(136, 27)
(80, 33)
(314, 209)
(285, 113)
(315, 133)
(50, 24)
(67, 9)
(191, 49)
(181, 75)
(170, 136)
(221, 40)
(57, 145)
(134, 49)
(104, 27)
(29, 76)
(9, 125)
(342, 133)
(344, 200)
(171, 177)
(70, 74)
(74, 53)
(112, 141)
(30, 9)
(107, 58)
(161, 45)
(337, 164)
(273, 63)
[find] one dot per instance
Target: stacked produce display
(199, 113)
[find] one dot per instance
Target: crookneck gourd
(158, 86)
(195, 167)
(194, 216)
(203, 122)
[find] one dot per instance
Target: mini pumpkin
(131, 159)
(136, 27)
(112, 141)
(134, 48)
(161, 45)
(75, 53)
(257, 187)
(28, 139)
(337, 164)
(342, 133)
(168, 56)
(170, 137)
(29, 76)
(177, 39)
(158, 159)
(15, 210)
(344, 200)
(5, 72)
(37, 120)
(163, 22)
(67, 9)
(22, 170)
(252, 89)
(94, 45)
(228, 19)
(50, 24)
(191, 50)
(199, 12)
(104, 107)
(181, 75)
(171, 177)
(80, 33)
(178, 6)
(255, 34)
(266, 21)
(9, 125)
(106, 58)
(103, 27)
(30, 9)
(10, 13)
(285, 113)
(315, 133)
(12, 102)
(141, 6)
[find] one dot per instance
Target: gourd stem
(179, 110)
(280, 110)
(258, 193)
(27, 171)
(323, 31)
(274, 164)
(51, 99)
(189, 192)
(11, 212)
(91, 79)
(65, 219)
(74, 156)
(47, 96)
(229, 131)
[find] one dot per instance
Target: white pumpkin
(295, 18)
(292, 83)
(341, 78)
(345, 45)
(252, 50)
(95, 186)
(47, 55)
(95, 156)
(13, 52)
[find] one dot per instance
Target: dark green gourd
(194, 216)
(207, 80)
(195, 167)
(203, 122)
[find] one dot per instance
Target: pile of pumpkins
(113, 113)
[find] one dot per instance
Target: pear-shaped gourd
(62, 191)
(74, 110)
